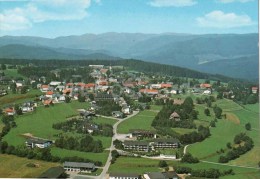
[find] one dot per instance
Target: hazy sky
(52, 18)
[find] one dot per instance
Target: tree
(67, 99)
(189, 158)
(259, 164)
(81, 98)
(212, 124)
(248, 126)
(218, 112)
(207, 112)
(229, 145)
(24, 89)
(3, 66)
(162, 164)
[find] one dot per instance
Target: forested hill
(130, 64)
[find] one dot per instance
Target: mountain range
(234, 55)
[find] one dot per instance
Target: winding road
(106, 167)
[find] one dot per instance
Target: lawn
(134, 165)
(15, 167)
(142, 120)
(182, 131)
(102, 120)
(102, 157)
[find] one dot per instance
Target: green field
(226, 130)
(87, 155)
(15, 167)
(143, 165)
(13, 73)
(134, 165)
(39, 123)
(142, 120)
(18, 98)
(227, 105)
(102, 120)
(182, 131)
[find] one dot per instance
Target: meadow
(15, 167)
(142, 120)
(39, 124)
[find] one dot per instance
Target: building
(149, 91)
(124, 176)
(54, 172)
(205, 85)
(137, 145)
(37, 142)
(161, 175)
(104, 97)
(207, 92)
(254, 89)
(175, 116)
(117, 114)
(142, 133)
(9, 111)
(165, 143)
(79, 167)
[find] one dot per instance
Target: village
(113, 93)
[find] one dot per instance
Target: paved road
(185, 149)
(116, 136)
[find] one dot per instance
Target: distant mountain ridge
(199, 52)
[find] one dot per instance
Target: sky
(53, 18)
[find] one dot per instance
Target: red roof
(103, 70)
(9, 110)
(148, 91)
(103, 83)
(49, 93)
(47, 102)
(66, 91)
(254, 88)
(69, 84)
(205, 85)
(164, 85)
(81, 84)
(90, 85)
(45, 86)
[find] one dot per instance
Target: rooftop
(79, 164)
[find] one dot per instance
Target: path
(115, 136)
(240, 166)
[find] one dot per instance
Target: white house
(208, 92)
(36, 142)
(55, 83)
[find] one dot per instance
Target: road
(106, 166)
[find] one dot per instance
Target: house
(124, 176)
(19, 84)
(207, 92)
(79, 167)
(96, 66)
(37, 142)
(104, 97)
(156, 86)
(87, 114)
(117, 114)
(174, 91)
(60, 88)
(90, 86)
(254, 89)
(161, 175)
(53, 172)
(165, 143)
(166, 85)
(142, 133)
(49, 94)
(3, 92)
(175, 116)
(149, 91)
(44, 88)
(137, 145)
(55, 83)
(90, 128)
(9, 111)
(47, 102)
(126, 110)
(205, 85)
(26, 109)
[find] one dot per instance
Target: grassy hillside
(15, 167)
